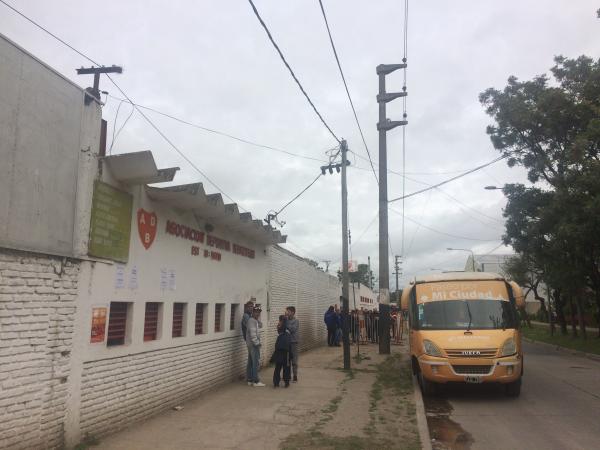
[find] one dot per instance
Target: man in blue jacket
(331, 323)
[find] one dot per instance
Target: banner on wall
(98, 333)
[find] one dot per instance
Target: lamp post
(466, 250)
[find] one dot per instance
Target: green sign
(110, 223)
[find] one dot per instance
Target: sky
(211, 64)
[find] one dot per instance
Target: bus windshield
(466, 315)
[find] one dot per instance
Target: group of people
(363, 325)
(333, 322)
(285, 355)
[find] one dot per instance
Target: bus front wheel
(428, 388)
(513, 389)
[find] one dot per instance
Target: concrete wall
(37, 308)
(364, 297)
(45, 130)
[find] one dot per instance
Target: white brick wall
(37, 305)
(119, 391)
(293, 282)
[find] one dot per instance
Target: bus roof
(457, 276)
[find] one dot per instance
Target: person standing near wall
(331, 323)
(247, 314)
(293, 327)
(254, 344)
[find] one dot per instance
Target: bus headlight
(509, 348)
(430, 348)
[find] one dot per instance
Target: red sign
(147, 224)
(98, 325)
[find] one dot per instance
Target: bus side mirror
(404, 300)
(518, 294)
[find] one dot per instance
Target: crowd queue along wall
(119, 298)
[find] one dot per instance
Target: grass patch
(318, 440)
(542, 334)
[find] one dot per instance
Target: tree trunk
(573, 323)
(560, 313)
(580, 317)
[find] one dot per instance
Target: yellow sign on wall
(110, 229)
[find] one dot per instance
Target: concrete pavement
(559, 408)
(326, 409)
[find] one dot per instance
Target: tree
(360, 276)
(552, 128)
(523, 271)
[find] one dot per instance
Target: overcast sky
(211, 63)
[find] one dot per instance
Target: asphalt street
(559, 408)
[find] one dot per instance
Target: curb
(563, 349)
(421, 417)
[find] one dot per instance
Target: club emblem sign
(147, 225)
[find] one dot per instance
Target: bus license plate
(473, 379)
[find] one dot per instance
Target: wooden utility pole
(96, 71)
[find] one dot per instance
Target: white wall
(45, 129)
(362, 294)
(293, 282)
(115, 386)
(37, 307)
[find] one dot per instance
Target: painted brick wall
(37, 306)
(119, 391)
(292, 281)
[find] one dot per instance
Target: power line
(448, 180)
(347, 90)
(222, 133)
(442, 232)
(127, 97)
(291, 71)
(299, 194)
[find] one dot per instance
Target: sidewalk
(371, 407)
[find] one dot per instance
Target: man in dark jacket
(282, 355)
(331, 323)
(293, 327)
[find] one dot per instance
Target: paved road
(559, 408)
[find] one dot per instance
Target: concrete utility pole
(345, 284)
(345, 290)
(383, 126)
(96, 71)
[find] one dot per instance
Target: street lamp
(493, 188)
(466, 250)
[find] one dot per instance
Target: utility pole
(345, 284)
(96, 71)
(383, 126)
(369, 274)
(345, 290)
(397, 272)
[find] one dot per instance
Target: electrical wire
(442, 232)
(434, 186)
(297, 196)
(116, 135)
(222, 133)
(347, 90)
(264, 25)
(126, 97)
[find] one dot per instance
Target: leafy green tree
(552, 128)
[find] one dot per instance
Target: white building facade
(118, 298)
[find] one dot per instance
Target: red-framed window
(219, 311)
(199, 324)
(151, 321)
(117, 323)
(178, 319)
(233, 316)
